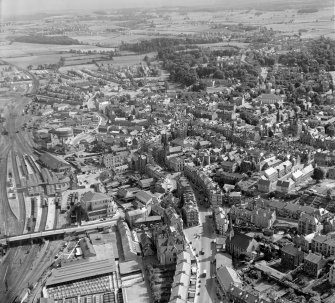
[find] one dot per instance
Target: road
(201, 237)
(80, 136)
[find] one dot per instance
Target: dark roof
(290, 250)
(53, 161)
(81, 270)
(240, 240)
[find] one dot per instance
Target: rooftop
(81, 270)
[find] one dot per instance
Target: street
(201, 237)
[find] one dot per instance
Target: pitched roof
(290, 250)
(313, 258)
(226, 276)
(241, 241)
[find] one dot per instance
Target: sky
(22, 7)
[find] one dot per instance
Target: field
(30, 49)
(24, 61)
(78, 67)
(222, 45)
(128, 60)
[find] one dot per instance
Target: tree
(319, 174)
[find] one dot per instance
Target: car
(198, 294)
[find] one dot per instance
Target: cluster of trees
(249, 118)
(319, 54)
(307, 10)
(190, 66)
(42, 39)
(157, 44)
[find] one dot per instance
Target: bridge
(56, 232)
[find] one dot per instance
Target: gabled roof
(226, 276)
(290, 250)
(241, 241)
(93, 196)
(313, 258)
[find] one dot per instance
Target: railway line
(18, 266)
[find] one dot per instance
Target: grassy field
(78, 67)
(30, 49)
(129, 60)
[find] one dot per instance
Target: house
(291, 256)
(238, 244)
(190, 214)
(265, 186)
(114, 160)
(147, 244)
(132, 215)
(229, 166)
(181, 280)
(238, 294)
(269, 99)
(131, 249)
(308, 224)
(145, 199)
(263, 218)
(225, 278)
(98, 205)
(313, 264)
(221, 220)
(168, 244)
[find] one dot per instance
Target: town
(168, 155)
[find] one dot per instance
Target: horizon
(30, 7)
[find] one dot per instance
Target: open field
(129, 60)
(17, 49)
(78, 67)
(222, 45)
(115, 39)
(24, 61)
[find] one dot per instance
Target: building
(98, 205)
(112, 161)
(190, 214)
(181, 279)
(225, 278)
(291, 256)
(221, 220)
(308, 224)
(168, 244)
(331, 278)
(240, 244)
(54, 163)
(313, 264)
(84, 279)
(263, 218)
(147, 244)
(237, 294)
(131, 249)
(269, 99)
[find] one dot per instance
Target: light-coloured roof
(81, 270)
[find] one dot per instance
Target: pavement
(201, 237)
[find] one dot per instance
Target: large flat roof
(81, 270)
